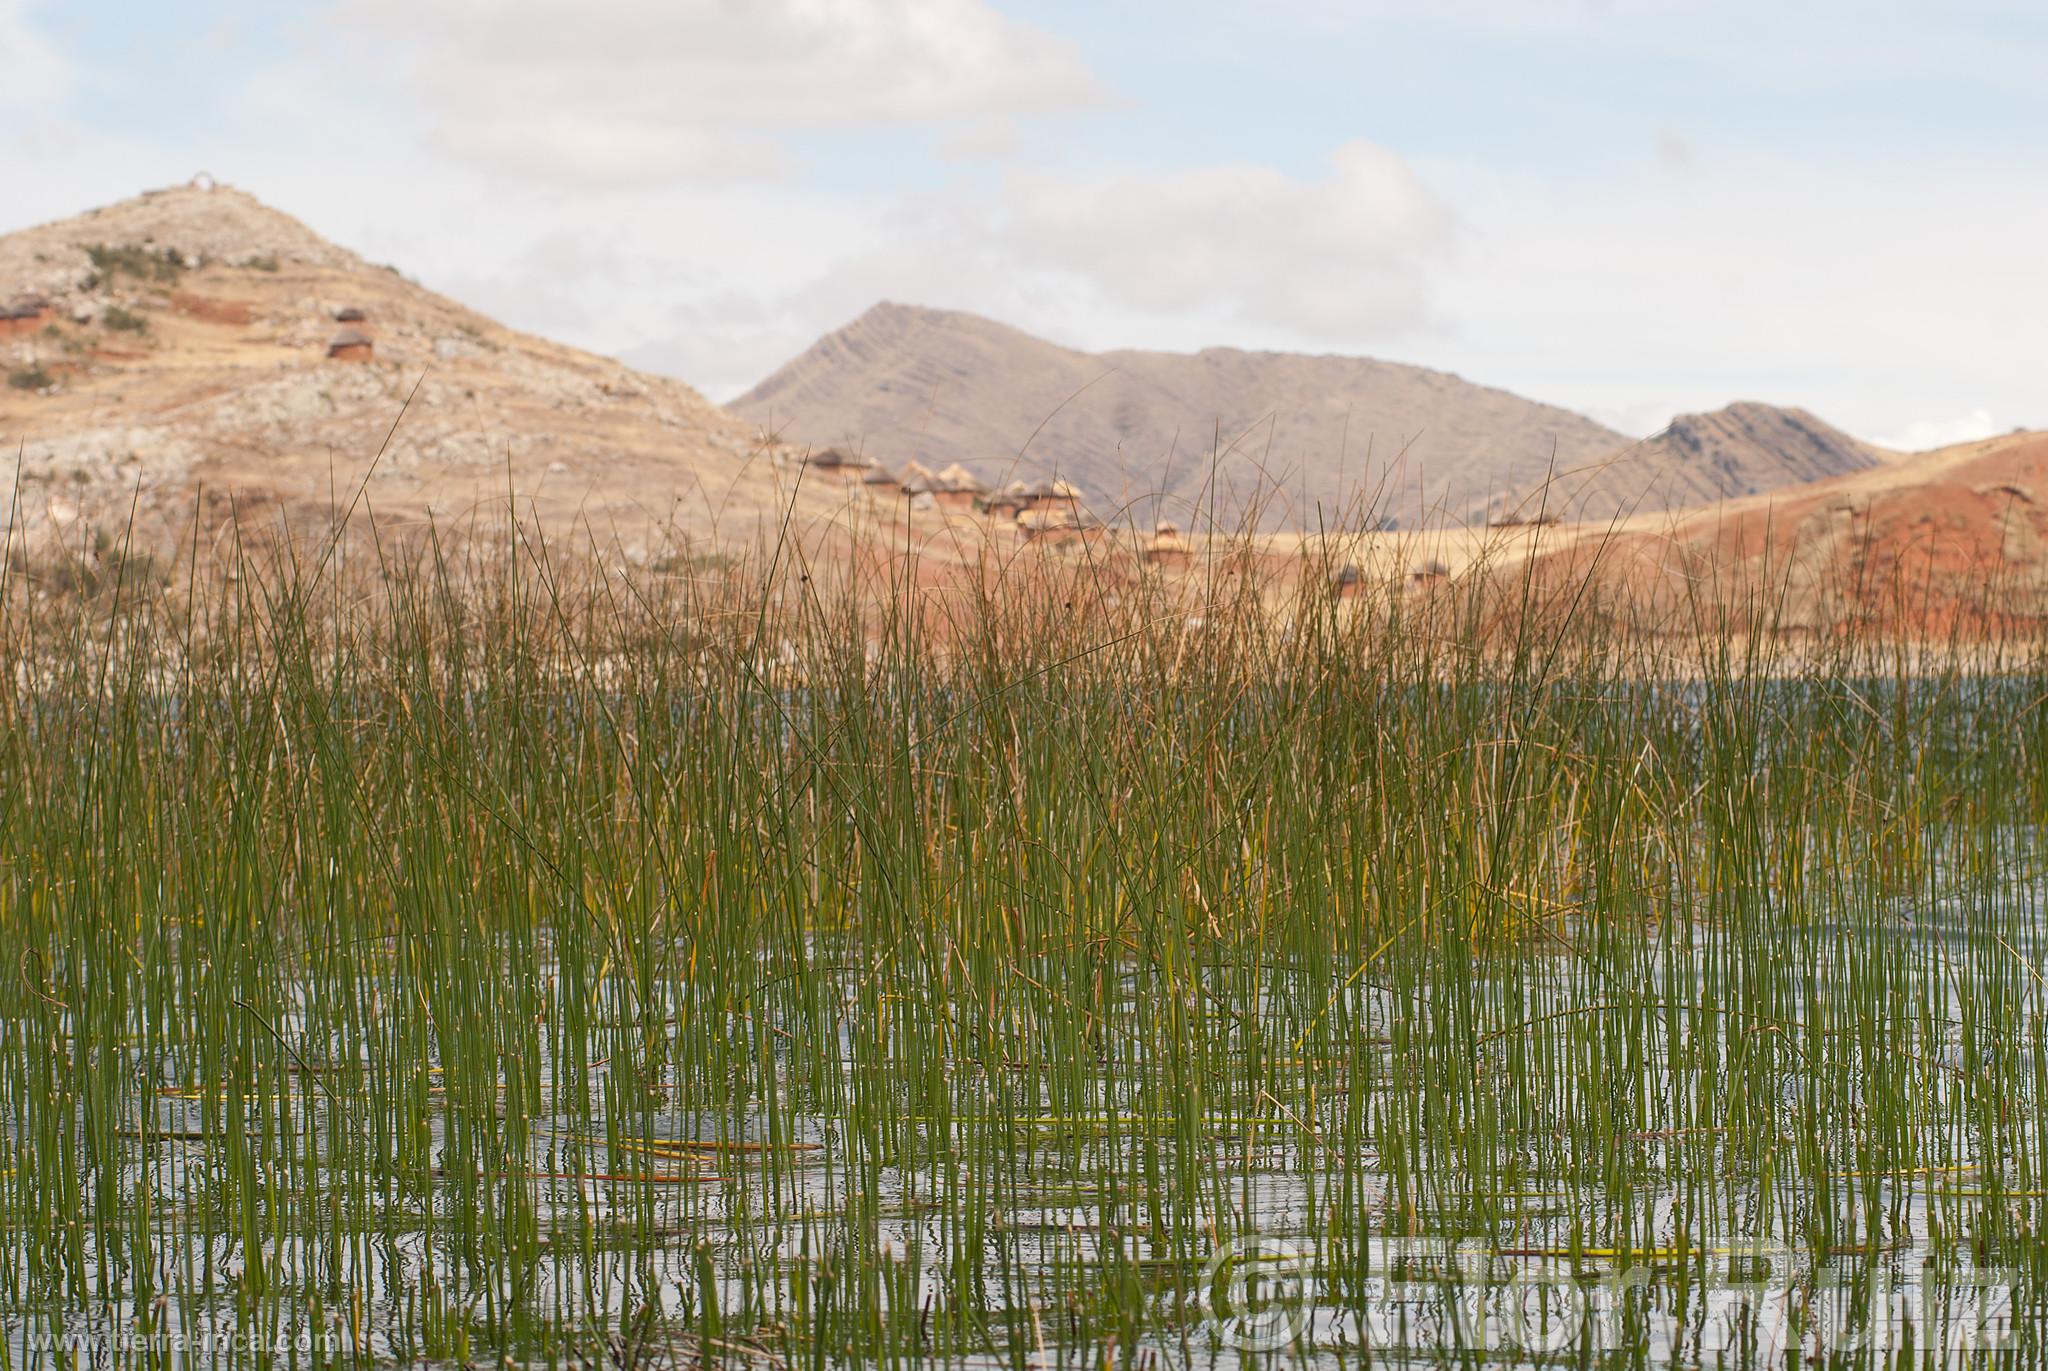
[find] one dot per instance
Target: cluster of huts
(1349, 581)
(26, 314)
(1051, 510)
(1046, 511)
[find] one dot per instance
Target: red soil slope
(1945, 541)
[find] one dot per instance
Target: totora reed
(506, 964)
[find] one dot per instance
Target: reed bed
(518, 966)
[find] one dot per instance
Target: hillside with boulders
(190, 361)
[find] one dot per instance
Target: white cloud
(1341, 258)
(1813, 44)
(556, 284)
(35, 74)
(1879, 291)
(643, 91)
(1227, 254)
(1874, 293)
(572, 147)
(53, 168)
(1924, 435)
(725, 343)
(989, 139)
(1675, 152)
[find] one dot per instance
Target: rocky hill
(1918, 546)
(1747, 449)
(193, 351)
(1300, 440)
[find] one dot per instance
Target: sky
(1633, 208)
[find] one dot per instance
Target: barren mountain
(192, 351)
(1746, 449)
(1308, 440)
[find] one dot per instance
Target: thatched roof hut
(834, 461)
(25, 314)
(956, 487)
(1428, 574)
(349, 345)
(1167, 548)
(1045, 520)
(1034, 494)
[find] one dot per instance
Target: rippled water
(1010, 1230)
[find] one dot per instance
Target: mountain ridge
(1296, 439)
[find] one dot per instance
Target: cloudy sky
(1631, 207)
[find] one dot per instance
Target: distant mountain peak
(1748, 447)
(199, 223)
(1284, 439)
